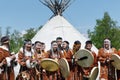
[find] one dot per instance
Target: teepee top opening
(57, 6)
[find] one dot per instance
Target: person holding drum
(39, 51)
(54, 53)
(76, 68)
(107, 71)
(88, 46)
(87, 70)
(39, 54)
(68, 55)
(26, 61)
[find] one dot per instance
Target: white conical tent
(58, 26)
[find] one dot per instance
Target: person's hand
(23, 63)
(76, 60)
(1, 64)
(44, 71)
(102, 59)
(39, 56)
(28, 58)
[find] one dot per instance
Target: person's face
(78, 47)
(38, 47)
(64, 45)
(54, 46)
(106, 46)
(88, 46)
(28, 46)
(43, 47)
(59, 41)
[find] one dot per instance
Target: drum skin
(84, 58)
(94, 73)
(64, 67)
(115, 61)
(49, 64)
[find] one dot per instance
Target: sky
(82, 14)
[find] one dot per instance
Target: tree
(16, 41)
(105, 28)
(29, 33)
(17, 38)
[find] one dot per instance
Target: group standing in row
(30, 56)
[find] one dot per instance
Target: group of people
(30, 56)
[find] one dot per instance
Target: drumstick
(85, 57)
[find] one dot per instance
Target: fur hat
(4, 39)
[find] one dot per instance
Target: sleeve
(4, 56)
(35, 56)
(115, 51)
(61, 55)
(101, 57)
(118, 52)
(70, 54)
(95, 59)
(21, 59)
(8, 61)
(2, 59)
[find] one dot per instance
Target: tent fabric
(58, 26)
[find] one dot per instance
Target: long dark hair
(67, 48)
(25, 42)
